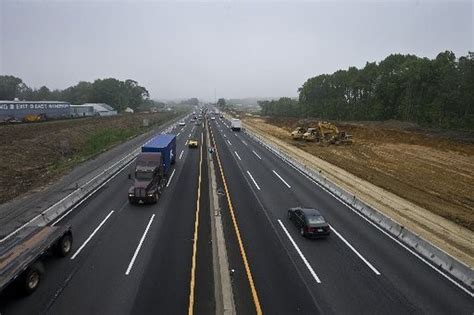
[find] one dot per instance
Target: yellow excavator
(34, 118)
(330, 134)
(325, 133)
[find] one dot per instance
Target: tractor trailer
(22, 255)
(152, 168)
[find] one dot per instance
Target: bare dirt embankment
(33, 155)
(422, 179)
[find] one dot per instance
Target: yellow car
(192, 143)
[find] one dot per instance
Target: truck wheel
(32, 278)
(64, 245)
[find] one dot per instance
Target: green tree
(11, 87)
(221, 103)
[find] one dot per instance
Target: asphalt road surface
(131, 259)
(157, 259)
(357, 270)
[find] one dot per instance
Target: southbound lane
(114, 242)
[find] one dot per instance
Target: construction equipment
(330, 134)
(298, 133)
(34, 118)
(325, 134)
(311, 134)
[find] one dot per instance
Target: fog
(236, 49)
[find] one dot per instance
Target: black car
(310, 222)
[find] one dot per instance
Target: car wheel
(302, 232)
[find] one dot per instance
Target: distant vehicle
(309, 221)
(21, 255)
(152, 167)
(182, 123)
(235, 124)
(298, 133)
(192, 143)
(213, 118)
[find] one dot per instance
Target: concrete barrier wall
(427, 251)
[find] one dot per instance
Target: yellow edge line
(196, 229)
(256, 300)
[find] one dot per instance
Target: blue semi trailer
(152, 168)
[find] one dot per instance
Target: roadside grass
(103, 140)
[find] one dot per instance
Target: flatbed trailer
(21, 254)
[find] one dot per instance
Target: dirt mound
(434, 172)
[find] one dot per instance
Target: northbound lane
(360, 269)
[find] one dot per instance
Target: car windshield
(143, 175)
(316, 219)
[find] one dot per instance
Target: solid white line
(181, 155)
(229, 142)
(225, 136)
(92, 235)
(237, 155)
(139, 246)
(256, 154)
(245, 143)
(189, 136)
(284, 182)
(171, 177)
(315, 276)
(356, 252)
(178, 134)
(379, 228)
(255, 183)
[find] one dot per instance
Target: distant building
(18, 110)
(82, 111)
(92, 109)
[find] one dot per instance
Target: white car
(213, 118)
(182, 123)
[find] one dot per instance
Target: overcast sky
(182, 49)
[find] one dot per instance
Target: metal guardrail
(427, 251)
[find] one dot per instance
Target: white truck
(235, 124)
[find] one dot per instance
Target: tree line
(118, 94)
(431, 92)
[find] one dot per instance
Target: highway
(130, 259)
(157, 259)
(358, 269)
